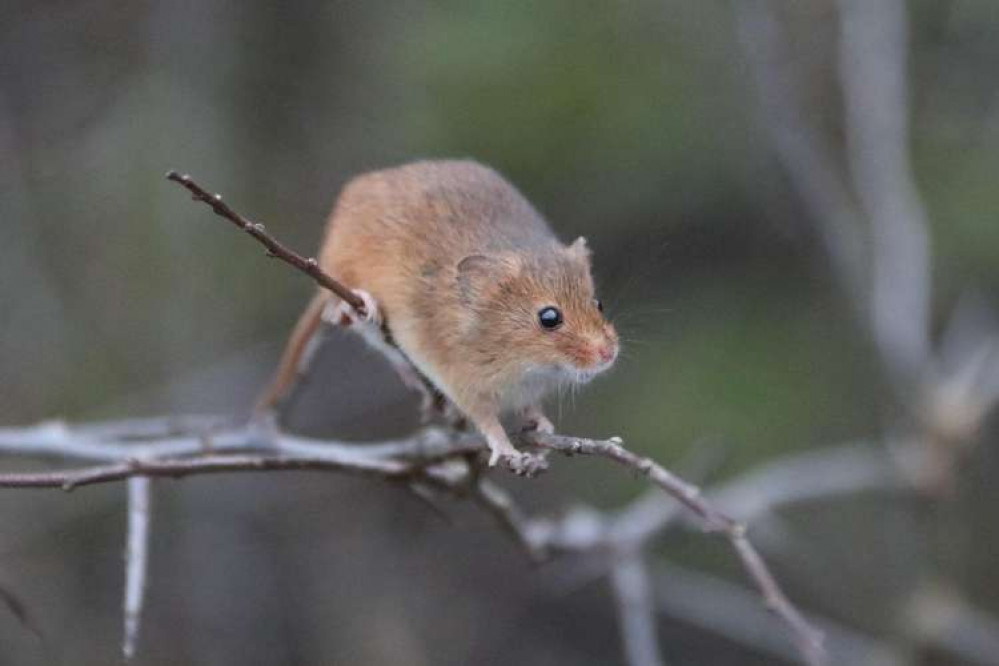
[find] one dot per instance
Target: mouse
(466, 286)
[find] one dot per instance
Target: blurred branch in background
(889, 285)
(805, 153)
(879, 248)
(874, 196)
(136, 560)
(636, 607)
(873, 53)
(730, 611)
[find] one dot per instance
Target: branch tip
(274, 247)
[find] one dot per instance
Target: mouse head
(540, 309)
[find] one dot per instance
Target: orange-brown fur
(460, 264)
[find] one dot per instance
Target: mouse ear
(481, 274)
(580, 250)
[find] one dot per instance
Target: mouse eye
(549, 317)
(599, 304)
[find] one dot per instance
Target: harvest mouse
(472, 286)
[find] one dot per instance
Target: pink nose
(607, 352)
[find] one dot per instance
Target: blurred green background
(633, 123)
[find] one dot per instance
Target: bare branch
(872, 56)
(232, 451)
(636, 610)
(512, 519)
(213, 464)
(889, 282)
(821, 474)
(274, 248)
(937, 615)
(807, 157)
(732, 611)
(123, 444)
(809, 640)
(613, 449)
(601, 540)
(136, 561)
(588, 532)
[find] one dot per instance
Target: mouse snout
(607, 351)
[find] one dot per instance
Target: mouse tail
(288, 368)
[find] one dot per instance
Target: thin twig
(274, 248)
(136, 561)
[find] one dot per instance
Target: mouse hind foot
(527, 465)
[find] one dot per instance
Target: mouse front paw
(527, 465)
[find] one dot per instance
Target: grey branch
(636, 608)
(512, 519)
(151, 448)
(888, 278)
(872, 61)
(822, 474)
(806, 155)
(732, 611)
(937, 615)
(586, 531)
(808, 640)
(136, 561)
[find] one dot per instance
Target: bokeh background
(634, 123)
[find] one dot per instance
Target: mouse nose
(607, 351)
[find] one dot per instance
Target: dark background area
(632, 123)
